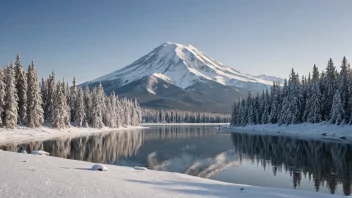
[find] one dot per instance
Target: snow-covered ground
(323, 129)
(25, 175)
(188, 124)
(25, 133)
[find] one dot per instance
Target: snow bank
(43, 177)
(188, 124)
(39, 152)
(99, 167)
(321, 130)
(25, 133)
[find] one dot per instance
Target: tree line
(180, 116)
(322, 96)
(26, 101)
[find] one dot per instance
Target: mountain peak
(184, 66)
(175, 45)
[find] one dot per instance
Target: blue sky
(88, 38)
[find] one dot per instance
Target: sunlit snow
(183, 66)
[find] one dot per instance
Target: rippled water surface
(262, 160)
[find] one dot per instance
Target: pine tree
(113, 110)
(35, 117)
(275, 103)
(11, 98)
(88, 106)
(44, 93)
(50, 99)
(119, 113)
(2, 95)
(294, 99)
(66, 104)
(257, 109)
(250, 111)
(73, 101)
(102, 104)
(60, 114)
(329, 88)
(337, 112)
(97, 110)
(284, 107)
(108, 113)
(314, 113)
(21, 86)
(315, 76)
(343, 81)
(79, 108)
(266, 111)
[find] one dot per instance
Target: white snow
(269, 78)
(99, 167)
(184, 65)
(25, 133)
(140, 168)
(330, 131)
(194, 124)
(43, 177)
(39, 152)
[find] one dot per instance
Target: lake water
(261, 160)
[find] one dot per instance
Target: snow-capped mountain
(183, 66)
(183, 69)
(270, 78)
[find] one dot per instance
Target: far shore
(192, 124)
(319, 130)
(29, 134)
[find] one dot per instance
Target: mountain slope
(181, 76)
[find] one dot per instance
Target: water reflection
(178, 131)
(326, 163)
(100, 148)
(110, 147)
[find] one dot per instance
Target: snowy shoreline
(26, 134)
(321, 130)
(70, 178)
(181, 124)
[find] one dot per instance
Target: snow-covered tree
(73, 99)
(113, 110)
(108, 112)
(2, 95)
(35, 117)
(49, 101)
(344, 89)
(329, 87)
(21, 86)
(119, 113)
(79, 108)
(266, 108)
(60, 113)
(337, 112)
(88, 106)
(275, 103)
(97, 109)
(313, 106)
(11, 98)
(294, 98)
(66, 92)
(25, 100)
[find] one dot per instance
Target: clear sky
(89, 38)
